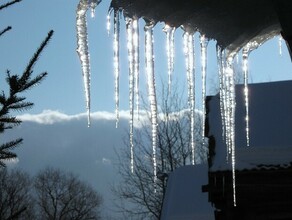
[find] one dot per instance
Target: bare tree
(135, 192)
(63, 196)
(16, 201)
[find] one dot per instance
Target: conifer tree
(12, 100)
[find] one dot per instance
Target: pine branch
(22, 106)
(5, 30)
(27, 73)
(34, 82)
(5, 151)
(2, 98)
(18, 84)
(10, 120)
(6, 156)
(10, 145)
(9, 4)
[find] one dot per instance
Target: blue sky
(62, 91)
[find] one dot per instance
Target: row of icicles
(226, 77)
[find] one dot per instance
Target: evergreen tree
(12, 100)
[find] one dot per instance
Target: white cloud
(51, 116)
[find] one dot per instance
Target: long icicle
(231, 120)
(130, 46)
(82, 47)
(227, 78)
(108, 20)
(169, 52)
(221, 87)
(204, 44)
(247, 49)
(151, 91)
(185, 50)
(190, 66)
(116, 48)
(245, 53)
(136, 60)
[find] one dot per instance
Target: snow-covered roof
(270, 107)
(184, 198)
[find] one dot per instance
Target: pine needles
(14, 102)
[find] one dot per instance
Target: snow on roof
(270, 128)
(184, 198)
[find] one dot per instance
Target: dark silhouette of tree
(12, 99)
(52, 194)
(135, 191)
(62, 195)
(16, 201)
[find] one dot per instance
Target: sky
(57, 117)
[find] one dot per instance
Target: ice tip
(88, 118)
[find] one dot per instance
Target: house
(263, 174)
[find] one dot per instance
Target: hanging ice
(151, 91)
(93, 5)
(245, 53)
(108, 20)
(169, 52)
(204, 44)
(116, 48)
(190, 66)
(221, 87)
(136, 60)
(82, 46)
(230, 130)
(130, 46)
(227, 107)
(280, 40)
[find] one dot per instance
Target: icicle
(280, 40)
(237, 58)
(151, 90)
(116, 61)
(108, 20)
(169, 52)
(204, 44)
(230, 130)
(190, 66)
(221, 87)
(130, 46)
(186, 49)
(245, 53)
(93, 5)
(82, 47)
(227, 107)
(136, 60)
